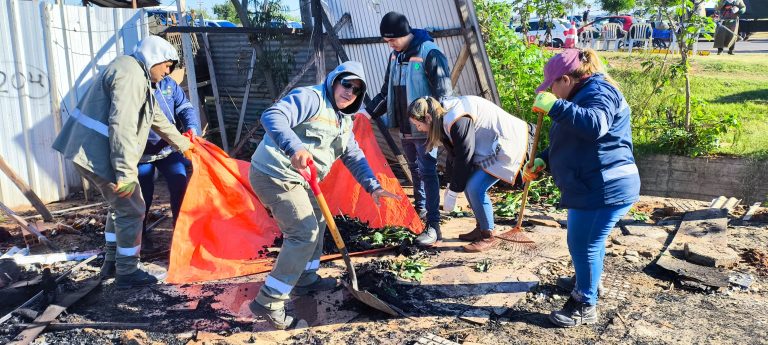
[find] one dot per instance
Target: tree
(226, 11)
(617, 6)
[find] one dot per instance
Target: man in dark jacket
(417, 68)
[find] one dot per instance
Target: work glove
(188, 153)
(531, 171)
(544, 102)
(449, 199)
(124, 189)
(383, 193)
(364, 112)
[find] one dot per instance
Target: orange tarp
(222, 225)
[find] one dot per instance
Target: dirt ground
(640, 303)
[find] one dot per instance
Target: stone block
(709, 255)
(644, 230)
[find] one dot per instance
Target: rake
(516, 235)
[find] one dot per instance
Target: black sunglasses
(357, 90)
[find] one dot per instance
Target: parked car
(537, 28)
(218, 23)
(625, 22)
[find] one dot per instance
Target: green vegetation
(412, 269)
(729, 103)
(389, 236)
(542, 191)
(695, 106)
(483, 265)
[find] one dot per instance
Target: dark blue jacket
(590, 149)
(177, 108)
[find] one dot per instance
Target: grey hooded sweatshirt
(308, 118)
(107, 131)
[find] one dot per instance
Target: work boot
(730, 51)
(574, 313)
(276, 317)
(569, 283)
(321, 284)
(430, 235)
(486, 242)
(139, 277)
(719, 51)
(471, 236)
(107, 270)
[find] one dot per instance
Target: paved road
(751, 46)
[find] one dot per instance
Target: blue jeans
(587, 231)
(174, 170)
(477, 195)
(423, 167)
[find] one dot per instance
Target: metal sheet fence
(51, 54)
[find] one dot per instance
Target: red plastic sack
(222, 227)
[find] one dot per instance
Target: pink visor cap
(558, 66)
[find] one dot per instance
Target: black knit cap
(394, 25)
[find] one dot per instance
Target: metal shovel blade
(371, 300)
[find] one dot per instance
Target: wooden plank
(237, 30)
(317, 41)
(241, 119)
(434, 34)
(751, 211)
(26, 190)
(53, 311)
(473, 39)
(215, 87)
(56, 327)
(28, 227)
(459, 66)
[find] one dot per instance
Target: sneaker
(429, 236)
(321, 284)
(574, 313)
(471, 236)
(486, 242)
(569, 283)
(107, 270)
(276, 317)
(138, 278)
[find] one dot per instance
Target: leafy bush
(518, 68)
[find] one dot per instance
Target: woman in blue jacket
(159, 155)
(590, 159)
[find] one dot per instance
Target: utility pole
(189, 59)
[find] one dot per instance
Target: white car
(537, 30)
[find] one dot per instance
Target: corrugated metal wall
(50, 54)
(231, 59)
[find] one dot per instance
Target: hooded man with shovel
(105, 136)
(310, 124)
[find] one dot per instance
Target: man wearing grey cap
(417, 68)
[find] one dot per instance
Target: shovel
(363, 296)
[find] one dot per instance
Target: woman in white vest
(485, 144)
